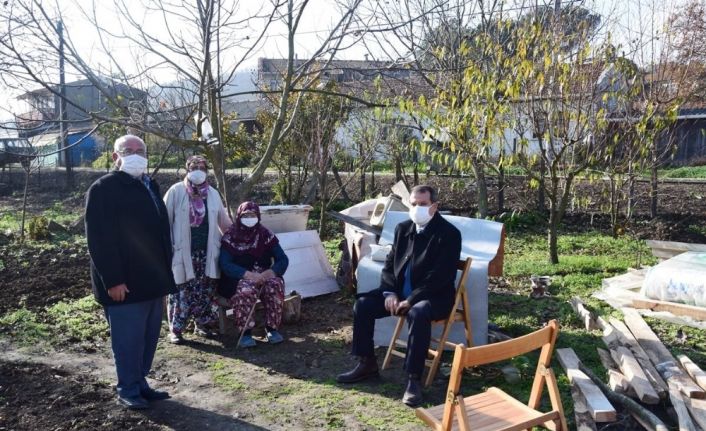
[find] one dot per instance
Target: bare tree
(197, 46)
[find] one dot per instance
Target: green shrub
(39, 228)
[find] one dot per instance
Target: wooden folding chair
(495, 410)
(456, 315)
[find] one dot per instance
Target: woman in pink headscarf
(252, 263)
(198, 219)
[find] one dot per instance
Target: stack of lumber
(624, 290)
(640, 372)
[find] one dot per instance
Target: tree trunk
(501, 190)
(541, 200)
(416, 168)
(553, 235)
(482, 186)
(337, 177)
(613, 205)
(362, 171)
(323, 179)
(372, 178)
(653, 191)
(631, 194)
(24, 205)
(398, 167)
(288, 179)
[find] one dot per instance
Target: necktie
(146, 183)
(407, 287)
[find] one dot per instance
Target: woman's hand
(254, 277)
(266, 275)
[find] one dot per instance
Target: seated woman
(252, 264)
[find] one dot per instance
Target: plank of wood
(633, 372)
(583, 419)
(602, 323)
(619, 383)
(673, 307)
(675, 245)
(589, 320)
(598, 405)
(606, 359)
(685, 422)
(693, 370)
(616, 380)
(697, 408)
(355, 222)
(629, 281)
(659, 355)
(671, 371)
(625, 338)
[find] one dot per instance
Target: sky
(624, 19)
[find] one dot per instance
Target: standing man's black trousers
(419, 317)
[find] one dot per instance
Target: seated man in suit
(417, 281)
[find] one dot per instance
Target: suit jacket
(128, 239)
(434, 255)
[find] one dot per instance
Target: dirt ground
(214, 386)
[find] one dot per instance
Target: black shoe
(152, 395)
(366, 368)
(133, 403)
(413, 394)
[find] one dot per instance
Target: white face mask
(420, 215)
(196, 177)
(248, 221)
(133, 165)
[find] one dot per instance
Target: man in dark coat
(417, 281)
(128, 235)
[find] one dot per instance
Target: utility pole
(63, 133)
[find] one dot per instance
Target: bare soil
(213, 384)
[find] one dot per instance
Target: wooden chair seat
(437, 346)
(493, 410)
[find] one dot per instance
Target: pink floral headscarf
(240, 239)
(197, 193)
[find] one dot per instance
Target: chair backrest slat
(463, 265)
(482, 355)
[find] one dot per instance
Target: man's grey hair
(120, 142)
(433, 196)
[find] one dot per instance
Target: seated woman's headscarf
(240, 239)
(197, 192)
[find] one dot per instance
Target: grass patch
(61, 215)
(333, 252)
(24, 326)
(9, 220)
(683, 172)
(80, 320)
(224, 376)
